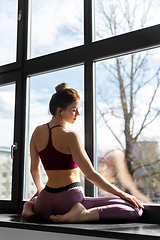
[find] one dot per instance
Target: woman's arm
(35, 166)
(81, 158)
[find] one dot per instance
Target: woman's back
(58, 134)
(51, 145)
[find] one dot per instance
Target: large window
(114, 17)
(107, 50)
(128, 115)
(7, 109)
(8, 31)
(40, 90)
(55, 25)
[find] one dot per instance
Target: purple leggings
(110, 208)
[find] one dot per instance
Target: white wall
(20, 234)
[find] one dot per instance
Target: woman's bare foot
(28, 215)
(28, 211)
(74, 215)
(78, 213)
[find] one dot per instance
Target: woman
(62, 155)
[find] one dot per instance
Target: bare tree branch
(143, 165)
(102, 115)
(109, 68)
(140, 163)
(149, 108)
(141, 85)
(107, 20)
(152, 119)
(145, 13)
(148, 175)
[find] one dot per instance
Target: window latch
(20, 16)
(13, 147)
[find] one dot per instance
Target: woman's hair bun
(61, 87)
(63, 97)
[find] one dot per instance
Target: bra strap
(56, 126)
(53, 126)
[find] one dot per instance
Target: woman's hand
(132, 199)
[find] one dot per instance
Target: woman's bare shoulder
(72, 136)
(70, 132)
(40, 129)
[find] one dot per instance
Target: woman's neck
(57, 121)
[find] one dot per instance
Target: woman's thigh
(91, 202)
(113, 208)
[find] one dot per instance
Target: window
(8, 31)
(4, 175)
(114, 17)
(3, 185)
(3, 194)
(54, 21)
(40, 90)
(46, 42)
(7, 99)
(128, 115)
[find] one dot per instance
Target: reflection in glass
(8, 31)
(55, 25)
(40, 91)
(128, 115)
(7, 100)
(114, 17)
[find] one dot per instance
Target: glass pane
(41, 89)
(55, 25)
(128, 116)
(8, 31)
(7, 100)
(114, 17)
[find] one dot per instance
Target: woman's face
(71, 112)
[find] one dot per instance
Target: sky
(57, 25)
(8, 31)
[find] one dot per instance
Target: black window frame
(86, 54)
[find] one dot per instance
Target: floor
(104, 230)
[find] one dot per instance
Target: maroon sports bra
(52, 159)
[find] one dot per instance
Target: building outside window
(5, 173)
